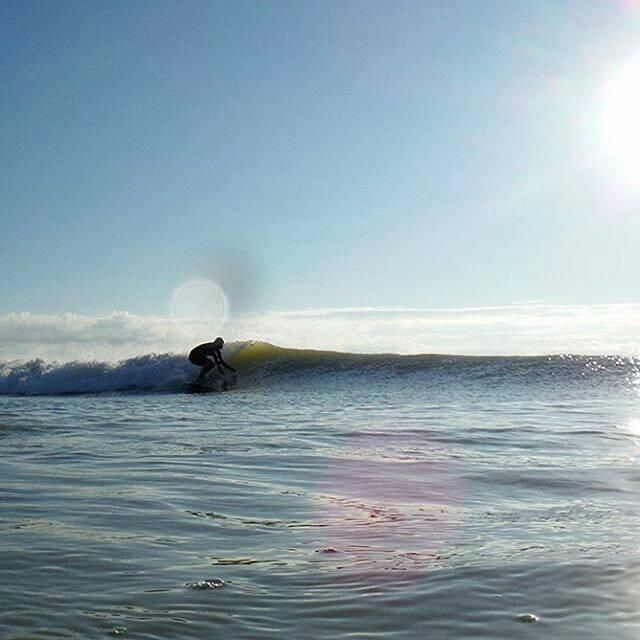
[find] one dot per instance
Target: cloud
(72, 336)
(523, 329)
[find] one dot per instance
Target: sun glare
(634, 427)
(621, 120)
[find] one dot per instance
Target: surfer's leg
(205, 369)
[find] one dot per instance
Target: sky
(340, 174)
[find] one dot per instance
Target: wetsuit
(208, 354)
(200, 355)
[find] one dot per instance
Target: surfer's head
(218, 343)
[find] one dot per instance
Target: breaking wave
(260, 363)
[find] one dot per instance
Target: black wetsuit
(202, 354)
(199, 355)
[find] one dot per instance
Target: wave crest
(263, 363)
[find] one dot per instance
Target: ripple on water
(378, 519)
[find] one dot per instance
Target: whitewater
(327, 495)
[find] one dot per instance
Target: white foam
(153, 371)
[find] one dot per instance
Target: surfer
(207, 356)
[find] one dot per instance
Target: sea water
(324, 496)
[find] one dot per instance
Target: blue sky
(313, 154)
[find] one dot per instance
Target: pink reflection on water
(385, 506)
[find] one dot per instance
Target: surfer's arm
(216, 360)
(220, 362)
(227, 366)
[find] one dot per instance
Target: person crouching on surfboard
(207, 356)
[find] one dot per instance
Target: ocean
(325, 496)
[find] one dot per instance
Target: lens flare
(199, 307)
(387, 506)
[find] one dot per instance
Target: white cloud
(517, 329)
(72, 336)
(524, 329)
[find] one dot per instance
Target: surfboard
(214, 381)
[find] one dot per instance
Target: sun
(621, 120)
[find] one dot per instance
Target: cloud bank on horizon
(520, 329)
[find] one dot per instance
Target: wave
(263, 363)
